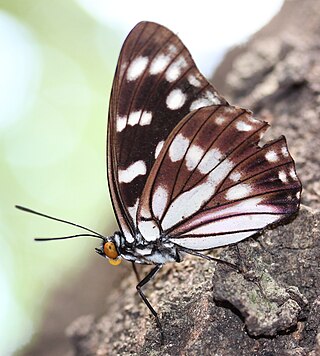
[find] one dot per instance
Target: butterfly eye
(111, 252)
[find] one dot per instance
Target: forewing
(155, 86)
(214, 185)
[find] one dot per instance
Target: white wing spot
(144, 251)
(293, 174)
(199, 103)
(254, 120)
(271, 156)
(210, 160)
(136, 68)
(134, 170)
(175, 69)
(220, 120)
(159, 201)
(134, 118)
(298, 195)
(159, 64)
(231, 224)
(176, 99)
(158, 149)
(172, 49)
(178, 148)
(121, 123)
(149, 230)
(228, 109)
(127, 233)
(207, 99)
(123, 68)
(194, 81)
(192, 200)
(210, 242)
(193, 157)
(220, 172)
(146, 118)
(212, 97)
(242, 126)
(284, 151)
(133, 210)
(239, 191)
(283, 177)
(235, 176)
(145, 212)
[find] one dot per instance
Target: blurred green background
(56, 70)
(57, 62)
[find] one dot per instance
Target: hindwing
(214, 185)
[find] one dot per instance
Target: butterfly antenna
(94, 233)
(66, 237)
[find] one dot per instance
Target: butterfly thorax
(146, 252)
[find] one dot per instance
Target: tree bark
(273, 306)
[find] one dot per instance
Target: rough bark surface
(271, 307)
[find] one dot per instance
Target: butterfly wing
(156, 85)
(214, 185)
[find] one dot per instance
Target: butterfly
(185, 169)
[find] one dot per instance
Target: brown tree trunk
(273, 306)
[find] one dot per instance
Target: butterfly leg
(209, 258)
(136, 271)
(139, 286)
